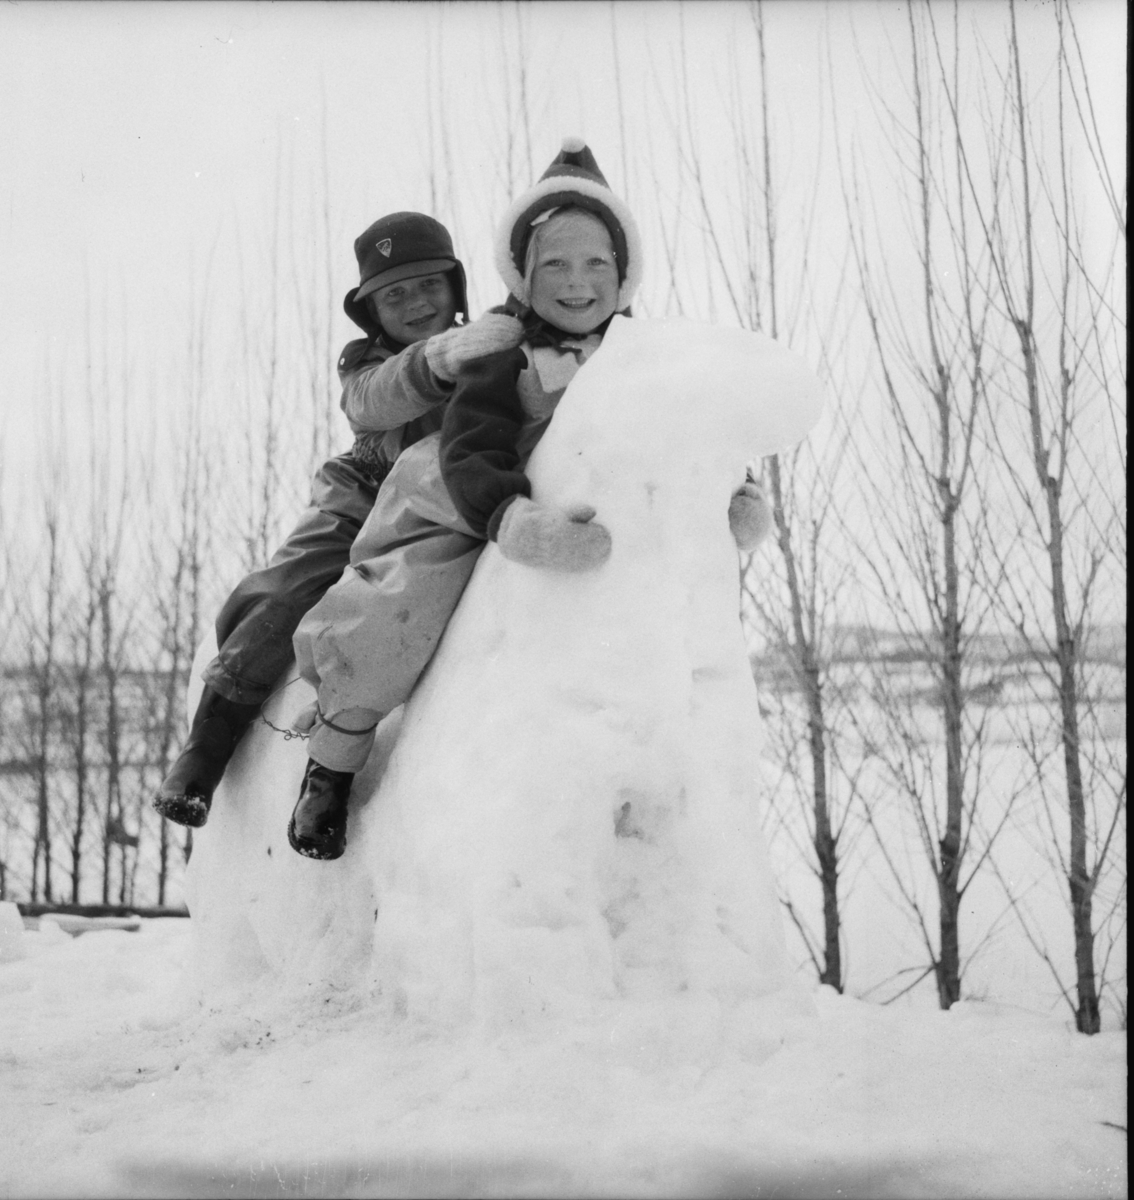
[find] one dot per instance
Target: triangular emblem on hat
(384, 247)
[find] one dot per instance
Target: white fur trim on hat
(512, 277)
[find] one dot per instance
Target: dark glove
(555, 539)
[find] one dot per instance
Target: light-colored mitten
(446, 353)
(749, 516)
(555, 539)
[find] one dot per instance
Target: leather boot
(317, 828)
(187, 791)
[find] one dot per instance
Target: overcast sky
(137, 136)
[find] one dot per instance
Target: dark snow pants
(256, 624)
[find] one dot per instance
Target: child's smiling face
(574, 281)
(414, 309)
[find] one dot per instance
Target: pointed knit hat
(573, 180)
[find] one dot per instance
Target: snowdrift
(563, 823)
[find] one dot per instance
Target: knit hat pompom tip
(572, 145)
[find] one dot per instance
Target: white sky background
(145, 146)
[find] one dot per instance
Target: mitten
(553, 538)
(446, 353)
(749, 516)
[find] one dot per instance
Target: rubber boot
(187, 791)
(317, 828)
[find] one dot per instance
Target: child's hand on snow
(553, 538)
(749, 516)
(446, 353)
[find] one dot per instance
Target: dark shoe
(317, 828)
(187, 791)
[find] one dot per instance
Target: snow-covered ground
(551, 961)
(116, 1082)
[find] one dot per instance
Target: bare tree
(922, 478)
(178, 554)
(803, 490)
(308, 286)
(9, 694)
(43, 671)
(1065, 489)
(111, 641)
(40, 617)
(78, 714)
(516, 170)
(758, 265)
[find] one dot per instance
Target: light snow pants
(366, 643)
(256, 624)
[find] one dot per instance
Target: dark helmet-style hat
(400, 246)
(573, 180)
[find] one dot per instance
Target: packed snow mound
(567, 827)
(111, 1089)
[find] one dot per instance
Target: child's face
(574, 281)
(414, 309)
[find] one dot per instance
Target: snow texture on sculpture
(568, 826)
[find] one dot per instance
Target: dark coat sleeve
(479, 441)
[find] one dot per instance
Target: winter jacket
(499, 411)
(391, 399)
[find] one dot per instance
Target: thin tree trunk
(113, 741)
(1067, 653)
(82, 721)
(949, 845)
(803, 652)
(45, 690)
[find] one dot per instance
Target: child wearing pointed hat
(570, 253)
(395, 383)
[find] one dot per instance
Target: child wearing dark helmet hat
(395, 383)
(570, 253)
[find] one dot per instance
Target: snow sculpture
(568, 825)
